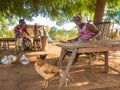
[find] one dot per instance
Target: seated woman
(22, 34)
(86, 32)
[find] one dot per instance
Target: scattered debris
(68, 78)
(8, 59)
(24, 60)
(114, 55)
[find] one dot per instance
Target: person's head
(22, 22)
(77, 19)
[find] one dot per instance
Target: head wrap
(21, 21)
(77, 17)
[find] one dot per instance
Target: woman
(21, 33)
(86, 32)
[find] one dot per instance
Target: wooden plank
(106, 62)
(105, 43)
(60, 86)
(77, 45)
(86, 44)
(93, 49)
(114, 69)
(7, 39)
(62, 54)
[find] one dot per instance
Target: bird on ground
(48, 71)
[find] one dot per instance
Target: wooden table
(43, 40)
(6, 42)
(86, 47)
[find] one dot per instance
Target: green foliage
(3, 24)
(53, 34)
(4, 27)
(58, 10)
(7, 34)
(111, 14)
(62, 34)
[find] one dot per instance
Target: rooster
(43, 56)
(47, 71)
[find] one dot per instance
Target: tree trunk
(99, 12)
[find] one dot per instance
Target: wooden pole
(67, 69)
(99, 11)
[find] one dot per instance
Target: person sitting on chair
(21, 33)
(86, 31)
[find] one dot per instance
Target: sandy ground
(17, 76)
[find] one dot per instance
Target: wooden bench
(89, 47)
(5, 42)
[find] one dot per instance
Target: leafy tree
(4, 25)
(58, 10)
(62, 34)
(111, 14)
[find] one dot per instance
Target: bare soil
(17, 76)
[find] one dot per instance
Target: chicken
(43, 56)
(48, 71)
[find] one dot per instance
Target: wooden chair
(104, 28)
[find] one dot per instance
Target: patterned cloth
(84, 34)
(19, 42)
(20, 32)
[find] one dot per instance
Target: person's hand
(63, 41)
(20, 31)
(70, 40)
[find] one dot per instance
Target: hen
(43, 56)
(48, 71)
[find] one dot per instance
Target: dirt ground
(17, 76)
